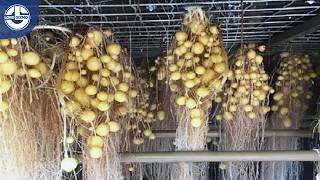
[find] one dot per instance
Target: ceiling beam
(296, 31)
(110, 5)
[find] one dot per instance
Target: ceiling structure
(145, 27)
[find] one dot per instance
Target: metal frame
(147, 32)
(158, 4)
(175, 13)
(131, 21)
(298, 31)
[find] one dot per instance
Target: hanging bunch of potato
(8, 67)
(249, 87)
(143, 117)
(147, 109)
(160, 69)
(96, 83)
(292, 86)
(160, 73)
(15, 60)
(197, 64)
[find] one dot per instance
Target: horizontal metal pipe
(218, 18)
(180, 12)
(306, 41)
(164, 36)
(224, 29)
(151, 4)
(145, 45)
(205, 156)
(268, 133)
(179, 20)
(312, 34)
(309, 36)
(171, 31)
(160, 42)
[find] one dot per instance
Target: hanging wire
(241, 38)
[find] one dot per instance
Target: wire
(241, 38)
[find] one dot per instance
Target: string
(241, 38)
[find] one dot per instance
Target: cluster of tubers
(249, 87)
(294, 75)
(96, 84)
(197, 65)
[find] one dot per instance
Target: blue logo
(17, 17)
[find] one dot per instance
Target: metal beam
(267, 133)
(170, 32)
(150, 4)
(296, 8)
(218, 18)
(299, 30)
(164, 36)
(206, 156)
